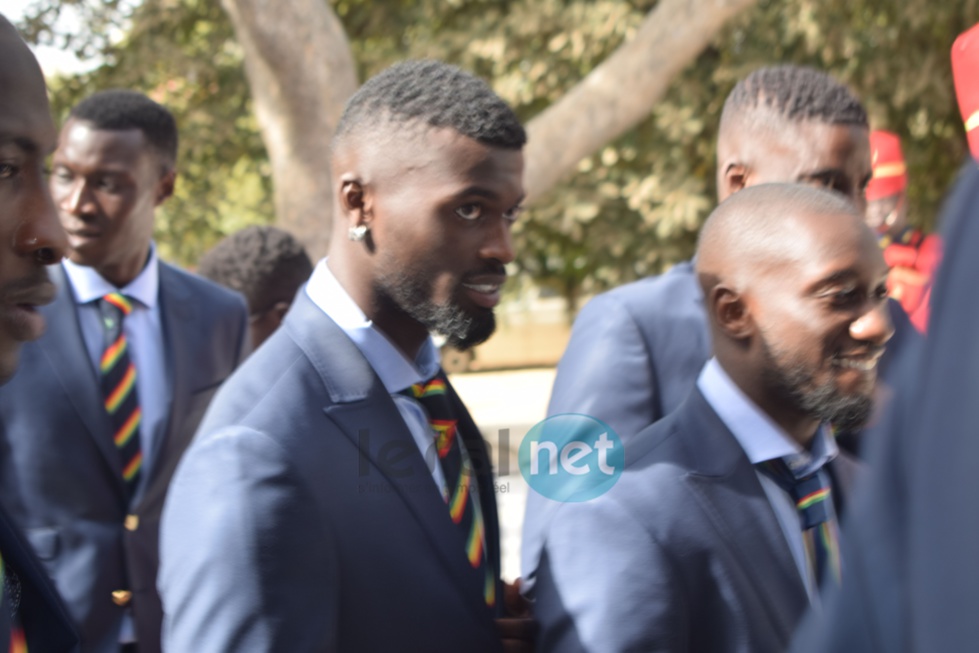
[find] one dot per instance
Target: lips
(484, 289)
(18, 307)
(865, 361)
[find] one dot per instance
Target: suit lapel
(363, 410)
(727, 488)
(67, 353)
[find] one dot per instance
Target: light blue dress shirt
(395, 370)
(762, 439)
(144, 333)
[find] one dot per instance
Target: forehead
(816, 248)
(25, 118)
(434, 158)
(82, 144)
(813, 146)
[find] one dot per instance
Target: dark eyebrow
(485, 193)
(834, 279)
(25, 144)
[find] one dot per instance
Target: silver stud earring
(357, 233)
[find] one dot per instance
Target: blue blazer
(684, 554)
(303, 518)
(47, 626)
(60, 474)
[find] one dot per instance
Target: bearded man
(338, 496)
(722, 529)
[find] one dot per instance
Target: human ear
(732, 313)
(735, 178)
(164, 187)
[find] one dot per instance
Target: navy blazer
(303, 518)
(47, 626)
(61, 475)
(684, 554)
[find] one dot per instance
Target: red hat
(890, 173)
(965, 71)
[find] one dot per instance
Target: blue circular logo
(571, 457)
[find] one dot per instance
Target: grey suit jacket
(303, 518)
(911, 571)
(683, 554)
(60, 474)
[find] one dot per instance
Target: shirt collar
(760, 437)
(396, 371)
(88, 285)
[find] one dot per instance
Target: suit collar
(727, 488)
(362, 409)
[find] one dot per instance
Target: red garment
(913, 261)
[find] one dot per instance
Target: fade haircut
(797, 94)
(265, 264)
(119, 109)
(435, 94)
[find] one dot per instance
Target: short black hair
(797, 93)
(435, 94)
(121, 109)
(265, 264)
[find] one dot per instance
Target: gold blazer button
(131, 523)
(122, 597)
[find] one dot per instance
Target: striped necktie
(812, 498)
(119, 387)
(463, 494)
(10, 600)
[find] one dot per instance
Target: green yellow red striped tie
(461, 498)
(813, 497)
(119, 387)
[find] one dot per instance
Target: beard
(462, 329)
(795, 385)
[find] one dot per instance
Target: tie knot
(119, 301)
(428, 389)
(811, 495)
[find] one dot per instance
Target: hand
(518, 629)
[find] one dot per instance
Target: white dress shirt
(144, 334)
(394, 369)
(762, 439)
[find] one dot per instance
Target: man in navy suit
(317, 509)
(31, 613)
(709, 535)
(89, 453)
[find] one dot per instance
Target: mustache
(491, 270)
(34, 289)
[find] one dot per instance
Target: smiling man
(724, 519)
(349, 496)
(108, 399)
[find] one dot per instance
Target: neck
(122, 273)
(798, 425)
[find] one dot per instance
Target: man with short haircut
(31, 614)
(110, 396)
(266, 265)
(723, 524)
(349, 495)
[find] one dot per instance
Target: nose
(40, 235)
(72, 196)
(498, 242)
(874, 326)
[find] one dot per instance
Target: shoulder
(173, 279)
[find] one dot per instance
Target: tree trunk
(620, 92)
(301, 73)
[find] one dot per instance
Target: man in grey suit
(333, 520)
(30, 610)
(109, 398)
(705, 535)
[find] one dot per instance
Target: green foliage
(631, 209)
(183, 54)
